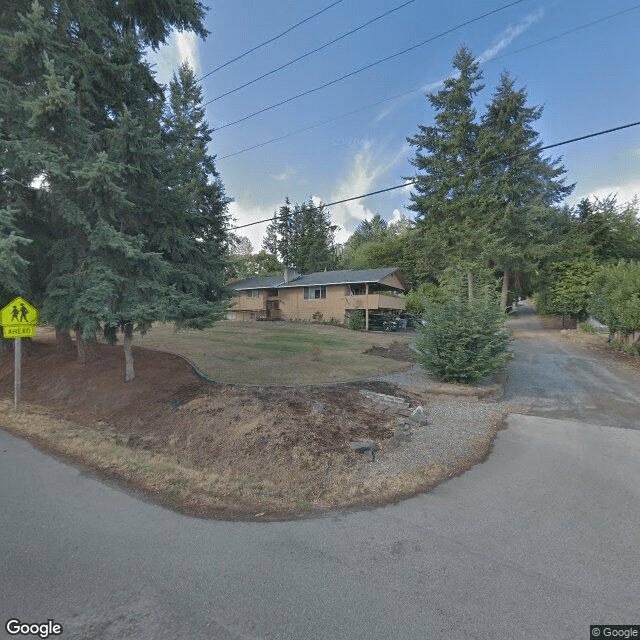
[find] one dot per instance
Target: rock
(366, 449)
(419, 413)
(320, 407)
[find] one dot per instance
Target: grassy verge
(297, 484)
(278, 352)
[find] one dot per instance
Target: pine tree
(445, 194)
(520, 186)
(116, 242)
(305, 237)
(199, 234)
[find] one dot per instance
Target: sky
(575, 58)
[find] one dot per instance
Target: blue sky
(586, 81)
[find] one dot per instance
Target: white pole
(17, 369)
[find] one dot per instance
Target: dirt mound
(395, 351)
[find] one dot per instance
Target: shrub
(356, 320)
(587, 328)
(463, 341)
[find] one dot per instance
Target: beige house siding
(291, 305)
(247, 308)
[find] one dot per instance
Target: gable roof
(340, 277)
(266, 282)
(319, 278)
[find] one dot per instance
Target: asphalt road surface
(540, 541)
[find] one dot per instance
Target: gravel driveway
(554, 378)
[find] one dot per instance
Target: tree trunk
(87, 351)
(487, 280)
(129, 372)
(505, 289)
(63, 341)
(470, 283)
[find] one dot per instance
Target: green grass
(277, 352)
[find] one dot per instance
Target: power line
(569, 32)
(369, 66)
(262, 44)
(308, 53)
(374, 104)
(314, 126)
(410, 182)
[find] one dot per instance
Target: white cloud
(624, 192)
(289, 172)
(509, 35)
(245, 214)
(181, 47)
(366, 170)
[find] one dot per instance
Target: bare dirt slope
(228, 450)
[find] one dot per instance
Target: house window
(252, 293)
(315, 293)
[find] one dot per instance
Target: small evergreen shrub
(356, 320)
(463, 341)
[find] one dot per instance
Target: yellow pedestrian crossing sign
(19, 319)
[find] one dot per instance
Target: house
(326, 295)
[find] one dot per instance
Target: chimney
(290, 274)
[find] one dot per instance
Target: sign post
(19, 320)
(17, 371)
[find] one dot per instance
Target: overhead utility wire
(314, 126)
(410, 182)
(405, 93)
(569, 32)
(308, 53)
(262, 44)
(373, 64)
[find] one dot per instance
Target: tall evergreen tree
(108, 214)
(445, 194)
(198, 236)
(304, 236)
(520, 187)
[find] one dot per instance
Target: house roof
(340, 277)
(320, 278)
(267, 282)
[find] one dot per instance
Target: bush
(463, 341)
(587, 328)
(356, 320)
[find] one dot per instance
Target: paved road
(538, 542)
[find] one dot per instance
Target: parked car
(412, 321)
(381, 322)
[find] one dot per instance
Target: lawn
(278, 352)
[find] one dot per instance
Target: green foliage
(611, 230)
(356, 320)
(254, 265)
(616, 297)
(445, 194)
(420, 299)
(587, 328)
(303, 237)
(573, 289)
(484, 194)
(119, 197)
(463, 341)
